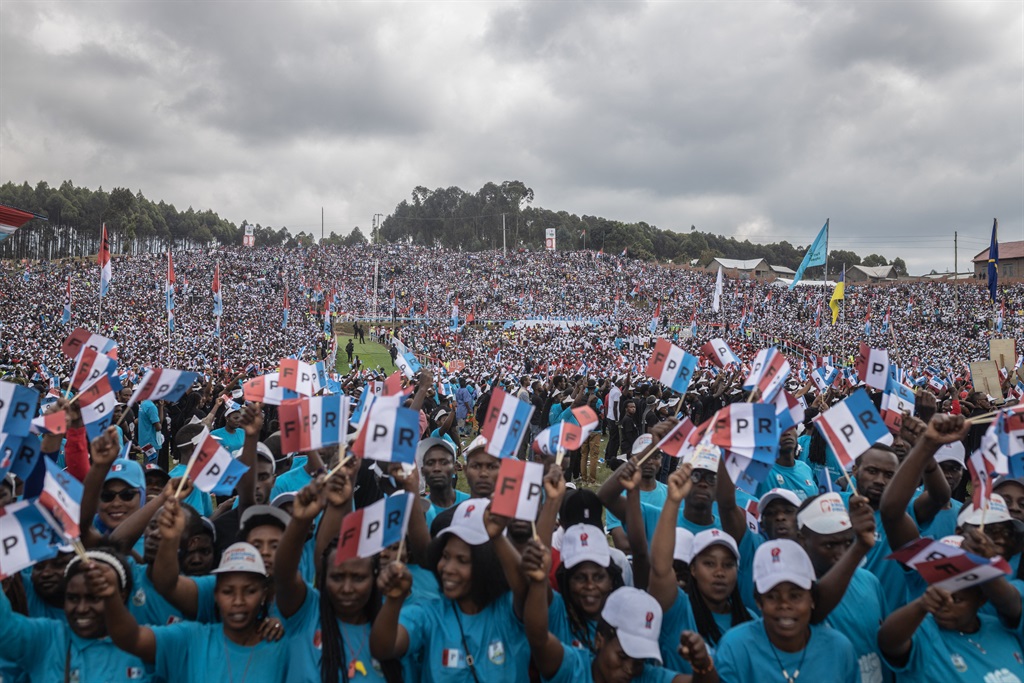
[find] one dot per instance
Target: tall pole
(956, 275)
(376, 263)
(503, 250)
(321, 224)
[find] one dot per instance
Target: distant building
(1011, 260)
(743, 269)
(870, 273)
(783, 271)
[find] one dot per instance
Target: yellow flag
(837, 296)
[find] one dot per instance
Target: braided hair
(332, 654)
(578, 620)
(704, 619)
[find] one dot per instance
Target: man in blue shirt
(230, 436)
(148, 426)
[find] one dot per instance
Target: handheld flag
(675, 443)
(719, 353)
(505, 424)
(17, 407)
(815, 255)
(62, 498)
(212, 469)
(284, 317)
(838, 294)
(310, 423)
(390, 432)
(993, 262)
(519, 489)
(896, 399)
(51, 423)
(297, 376)
(852, 427)
(97, 402)
(369, 530)
(83, 338)
(716, 302)
(768, 373)
(66, 317)
(27, 537)
(218, 298)
(90, 366)
(789, 412)
(267, 389)
(163, 384)
(671, 366)
(103, 259)
(872, 366)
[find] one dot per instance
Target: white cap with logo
(684, 545)
(996, 512)
(636, 617)
(241, 557)
(780, 561)
(825, 515)
(709, 537)
(468, 522)
(585, 543)
(951, 452)
(773, 495)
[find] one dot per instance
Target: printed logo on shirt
(74, 676)
(451, 658)
(173, 620)
(778, 478)
(318, 639)
(958, 662)
(139, 598)
(135, 673)
(496, 652)
(1001, 676)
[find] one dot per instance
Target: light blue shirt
(799, 479)
(190, 652)
(494, 637)
(889, 572)
(656, 497)
(434, 510)
(199, 500)
(559, 625)
(993, 654)
(577, 666)
(148, 415)
(41, 647)
(291, 481)
(151, 609)
(651, 513)
(745, 654)
(678, 618)
(230, 442)
(305, 645)
(37, 607)
(858, 616)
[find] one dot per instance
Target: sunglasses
(124, 494)
(703, 475)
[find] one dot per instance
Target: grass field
(370, 355)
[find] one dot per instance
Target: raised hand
(270, 630)
(679, 483)
(494, 524)
(862, 519)
(171, 521)
(252, 420)
(944, 428)
(339, 489)
(395, 581)
(535, 562)
(554, 482)
(101, 580)
(309, 501)
(629, 475)
(935, 599)
(693, 649)
(103, 449)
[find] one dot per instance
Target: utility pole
(956, 275)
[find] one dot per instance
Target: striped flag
(212, 469)
(519, 489)
(852, 427)
(368, 530)
(671, 366)
(505, 424)
(27, 537)
(163, 384)
(17, 408)
(62, 498)
(97, 403)
(390, 432)
(284, 317)
(66, 317)
(218, 298)
(103, 259)
(310, 423)
(267, 389)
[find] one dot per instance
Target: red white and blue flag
(267, 389)
(55, 422)
(671, 366)
(163, 384)
(390, 432)
(789, 412)
(719, 353)
(211, 468)
(852, 426)
(519, 489)
(17, 408)
(298, 376)
(66, 317)
(61, 497)
(90, 366)
(745, 426)
(97, 402)
(505, 424)
(27, 537)
(768, 374)
(103, 259)
(872, 366)
(310, 423)
(369, 530)
(83, 338)
(676, 442)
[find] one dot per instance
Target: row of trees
(493, 216)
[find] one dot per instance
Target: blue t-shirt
(290, 482)
(40, 648)
(493, 636)
(745, 654)
(305, 645)
(37, 607)
(434, 510)
(577, 666)
(655, 497)
(436, 434)
(991, 655)
(835, 469)
(678, 618)
(858, 616)
(799, 479)
(651, 513)
(424, 585)
(200, 500)
(151, 609)
(190, 652)
(748, 545)
(148, 415)
(230, 441)
(889, 572)
(558, 624)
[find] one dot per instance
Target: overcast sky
(900, 121)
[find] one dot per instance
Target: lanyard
(462, 634)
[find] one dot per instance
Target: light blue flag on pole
(815, 256)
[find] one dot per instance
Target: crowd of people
(638, 565)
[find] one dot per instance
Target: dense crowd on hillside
(196, 545)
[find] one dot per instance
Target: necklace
(354, 663)
(796, 672)
(227, 658)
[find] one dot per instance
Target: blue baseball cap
(128, 471)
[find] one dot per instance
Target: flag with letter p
(768, 374)
(519, 489)
(297, 376)
(97, 403)
(82, 337)
(390, 432)
(163, 384)
(212, 469)
(17, 407)
(872, 366)
(671, 366)
(26, 537)
(505, 424)
(62, 498)
(307, 424)
(852, 426)
(719, 353)
(368, 530)
(267, 389)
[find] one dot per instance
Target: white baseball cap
(955, 540)
(477, 443)
(996, 512)
(825, 514)
(641, 444)
(951, 452)
(780, 561)
(585, 543)
(241, 557)
(468, 522)
(706, 457)
(709, 537)
(684, 545)
(776, 494)
(636, 617)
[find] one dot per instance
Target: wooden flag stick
(401, 549)
(181, 482)
(76, 543)
(559, 455)
(338, 467)
(533, 525)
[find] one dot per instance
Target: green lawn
(370, 355)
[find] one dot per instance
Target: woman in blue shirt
(75, 647)
(328, 627)
(190, 652)
(471, 633)
(783, 646)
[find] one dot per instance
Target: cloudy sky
(900, 121)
